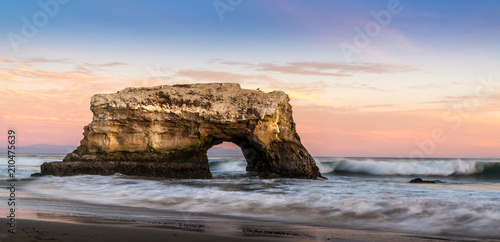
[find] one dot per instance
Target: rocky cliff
(165, 131)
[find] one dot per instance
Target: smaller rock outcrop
(165, 131)
(420, 180)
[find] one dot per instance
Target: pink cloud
(52, 107)
(316, 68)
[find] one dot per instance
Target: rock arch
(166, 131)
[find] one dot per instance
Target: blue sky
(257, 30)
(430, 54)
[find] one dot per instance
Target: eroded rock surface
(165, 131)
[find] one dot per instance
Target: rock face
(165, 131)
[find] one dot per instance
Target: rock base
(150, 169)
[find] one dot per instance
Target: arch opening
(227, 158)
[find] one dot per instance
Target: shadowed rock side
(165, 131)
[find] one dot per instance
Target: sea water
(361, 193)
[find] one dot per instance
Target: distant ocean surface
(362, 193)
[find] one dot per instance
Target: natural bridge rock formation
(165, 131)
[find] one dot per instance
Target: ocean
(360, 193)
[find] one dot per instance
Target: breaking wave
(425, 167)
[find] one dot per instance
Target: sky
(408, 78)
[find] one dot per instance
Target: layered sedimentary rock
(165, 131)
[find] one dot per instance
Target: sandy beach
(42, 230)
(39, 230)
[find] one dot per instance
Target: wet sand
(42, 230)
